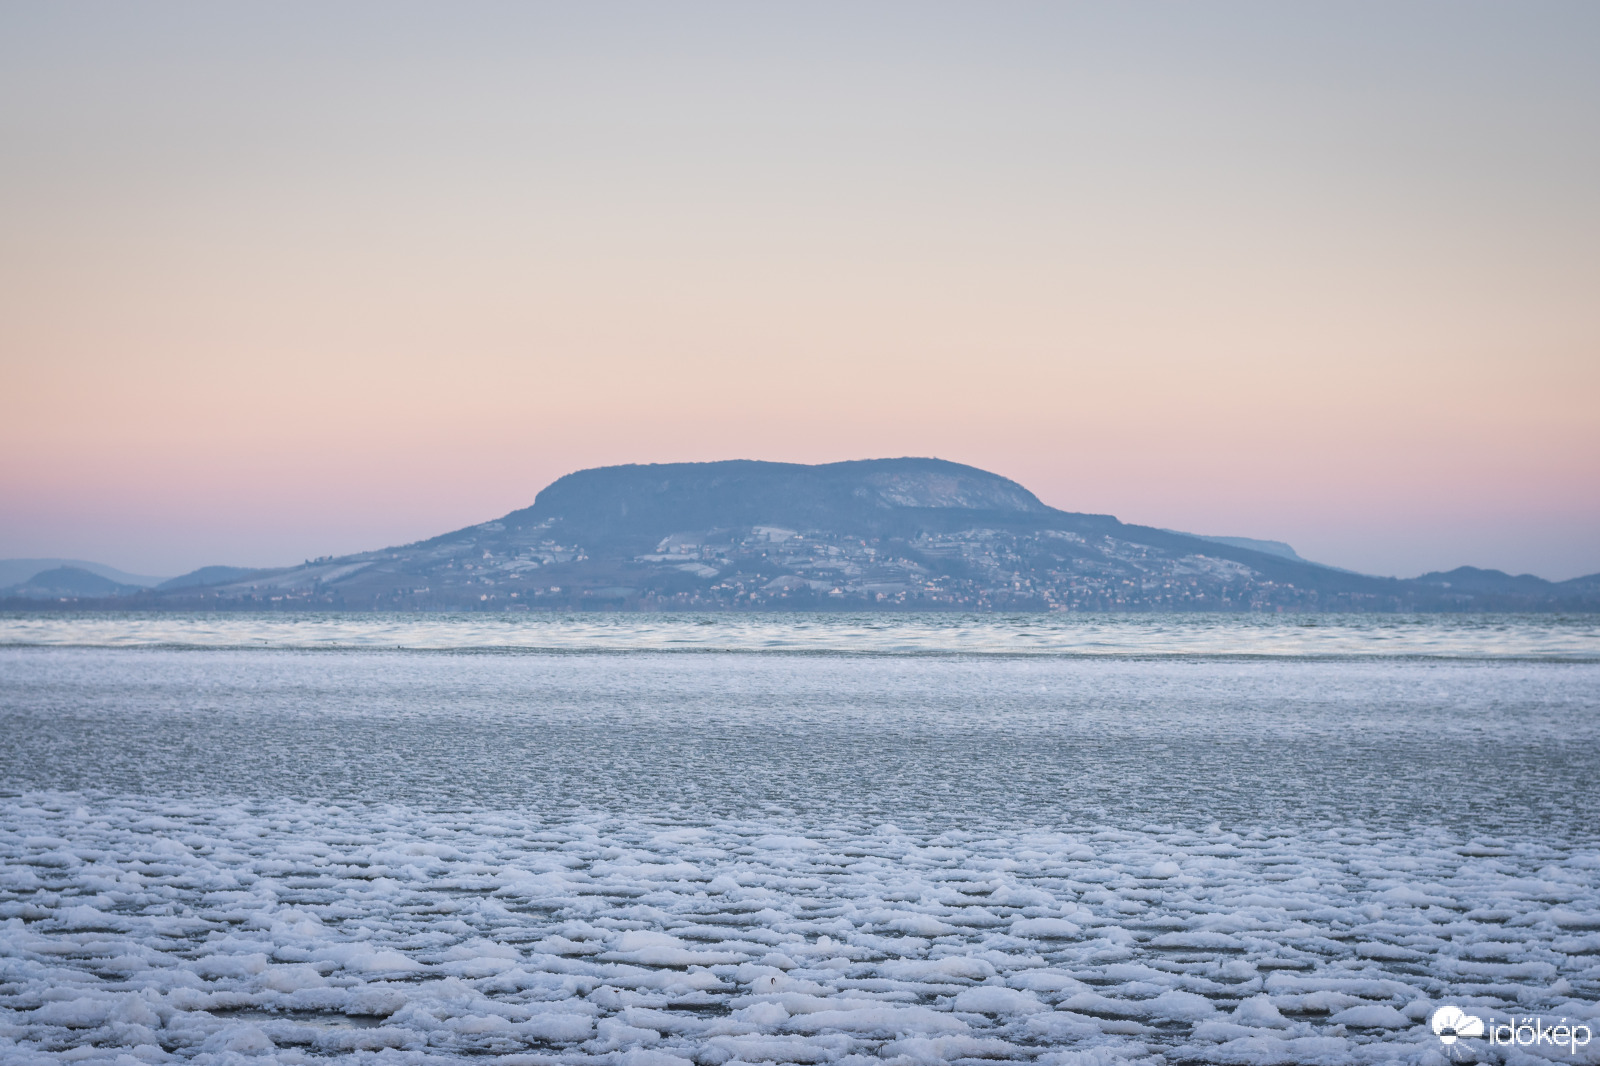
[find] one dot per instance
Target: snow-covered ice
(293, 930)
(642, 858)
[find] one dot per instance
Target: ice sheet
(638, 858)
(295, 931)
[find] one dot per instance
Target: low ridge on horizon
(908, 533)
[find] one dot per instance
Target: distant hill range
(18, 571)
(885, 534)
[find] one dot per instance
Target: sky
(282, 280)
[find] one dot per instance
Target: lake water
(649, 840)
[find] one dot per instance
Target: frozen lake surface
(648, 842)
(1465, 636)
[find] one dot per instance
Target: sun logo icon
(1452, 1022)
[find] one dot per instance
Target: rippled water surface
(853, 839)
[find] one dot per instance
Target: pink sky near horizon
(277, 282)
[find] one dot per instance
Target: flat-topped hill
(863, 496)
(880, 534)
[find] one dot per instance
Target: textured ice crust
(138, 931)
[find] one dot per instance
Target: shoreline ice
(227, 857)
(171, 930)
